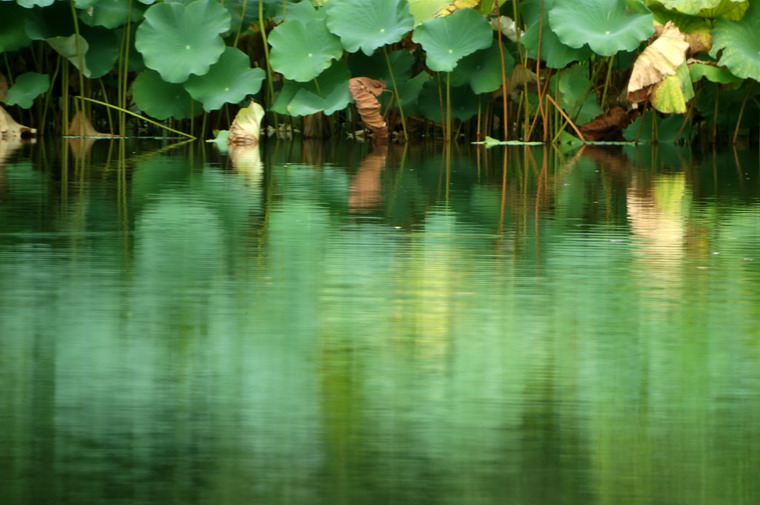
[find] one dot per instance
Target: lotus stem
(270, 85)
(741, 111)
(505, 130)
(125, 111)
(395, 92)
(448, 106)
(607, 80)
(80, 56)
(242, 18)
(564, 115)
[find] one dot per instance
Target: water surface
(325, 324)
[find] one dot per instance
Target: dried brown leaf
(608, 126)
(364, 91)
(658, 61)
(82, 127)
(246, 127)
(3, 88)
(9, 128)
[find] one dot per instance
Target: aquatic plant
(525, 70)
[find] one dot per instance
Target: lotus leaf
(738, 43)
(727, 9)
(301, 51)
(409, 92)
(482, 69)
(711, 73)
(658, 61)
(448, 39)
(110, 13)
(246, 127)
(671, 95)
(161, 99)
(605, 25)
(328, 93)
(34, 3)
(667, 129)
(423, 10)
(464, 103)
(369, 24)
(303, 11)
(53, 21)
(73, 48)
(27, 87)
(12, 27)
(229, 80)
(576, 94)
(553, 51)
(376, 67)
(177, 40)
(103, 50)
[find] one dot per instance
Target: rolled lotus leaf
(10, 129)
(659, 60)
(246, 127)
(365, 92)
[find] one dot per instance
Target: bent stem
(125, 111)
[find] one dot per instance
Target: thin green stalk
(80, 56)
(108, 111)
(395, 92)
(505, 131)
(448, 106)
(607, 80)
(65, 86)
(741, 111)
(242, 17)
(270, 85)
(125, 111)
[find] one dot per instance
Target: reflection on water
(324, 324)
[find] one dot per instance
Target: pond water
(325, 324)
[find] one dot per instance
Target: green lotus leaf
(464, 103)
(369, 24)
(301, 51)
(34, 3)
(52, 21)
(448, 39)
(12, 27)
(110, 13)
(553, 52)
(728, 9)
(605, 25)
(178, 40)
(376, 67)
(304, 12)
(409, 93)
(482, 69)
(103, 50)
(670, 96)
(424, 10)
(698, 71)
(328, 93)
(161, 99)
(85, 4)
(575, 92)
(667, 128)
(229, 80)
(738, 43)
(27, 87)
(73, 48)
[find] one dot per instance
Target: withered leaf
(82, 127)
(9, 128)
(246, 127)
(364, 91)
(658, 61)
(606, 127)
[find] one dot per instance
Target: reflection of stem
(395, 92)
(125, 111)
(448, 106)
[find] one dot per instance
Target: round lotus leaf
(553, 52)
(27, 87)
(738, 43)
(482, 69)
(229, 80)
(177, 40)
(605, 25)
(301, 51)
(327, 93)
(110, 13)
(369, 24)
(448, 39)
(12, 27)
(161, 99)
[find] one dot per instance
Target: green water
(332, 326)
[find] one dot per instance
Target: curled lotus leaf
(73, 48)
(670, 95)
(229, 80)
(738, 44)
(605, 25)
(659, 60)
(246, 127)
(698, 71)
(448, 39)
(369, 24)
(27, 87)
(177, 40)
(728, 9)
(301, 51)
(161, 99)
(365, 92)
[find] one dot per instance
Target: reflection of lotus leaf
(605, 25)
(738, 43)
(301, 51)
(448, 39)
(229, 80)
(177, 40)
(369, 24)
